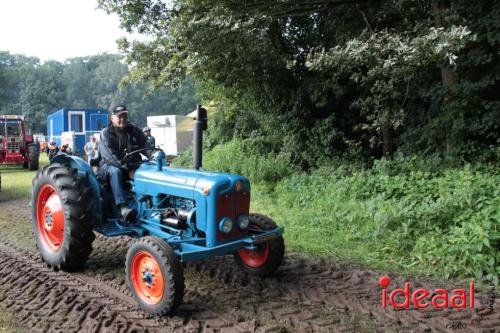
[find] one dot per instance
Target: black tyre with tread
(33, 156)
(79, 217)
(171, 269)
(276, 248)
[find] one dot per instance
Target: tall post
(198, 139)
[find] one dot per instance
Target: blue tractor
(183, 215)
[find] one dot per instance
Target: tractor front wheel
(155, 276)
(267, 256)
(62, 215)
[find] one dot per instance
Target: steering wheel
(127, 155)
(124, 159)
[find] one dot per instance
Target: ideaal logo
(439, 298)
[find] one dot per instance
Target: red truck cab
(16, 145)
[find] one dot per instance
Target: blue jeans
(116, 183)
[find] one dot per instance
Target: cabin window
(76, 121)
(99, 124)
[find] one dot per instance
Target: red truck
(16, 144)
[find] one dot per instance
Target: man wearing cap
(150, 140)
(119, 137)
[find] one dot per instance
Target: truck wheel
(155, 276)
(33, 155)
(267, 257)
(63, 217)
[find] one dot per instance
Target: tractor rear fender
(86, 171)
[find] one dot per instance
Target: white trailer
(172, 133)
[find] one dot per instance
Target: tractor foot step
(113, 228)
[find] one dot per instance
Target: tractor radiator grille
(232, 205)
(13, 146)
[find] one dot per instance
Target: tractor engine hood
(186, 183)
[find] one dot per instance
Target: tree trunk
(448, 76)
(387, 136)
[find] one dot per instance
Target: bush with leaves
(242, 157)
(406, 214)
(384, 65)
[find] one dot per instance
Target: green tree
(105, 80)
(40, 93)
(384, 65)
(249, 58)
(14, 68)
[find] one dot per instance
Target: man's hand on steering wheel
(134, 164)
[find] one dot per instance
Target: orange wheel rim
(255, 258)
(50, 217)
(147, 278)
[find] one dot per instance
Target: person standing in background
(51, 149)
(150, 140)
(90, 149)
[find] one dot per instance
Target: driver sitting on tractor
(117, 139)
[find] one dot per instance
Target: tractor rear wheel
(155, 276)
(33, 156)
(267, 256)
(63, 217)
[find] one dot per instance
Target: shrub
(240, 157)
(404, 212)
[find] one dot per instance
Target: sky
(57, 29)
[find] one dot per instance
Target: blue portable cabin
(83, 122)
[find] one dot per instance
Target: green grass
(8, 322)
(16, 181)
(16, 184)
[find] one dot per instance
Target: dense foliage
(327, 78)
(35, 89)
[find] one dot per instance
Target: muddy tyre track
(305, 295)
(49, 301)
(55, 301)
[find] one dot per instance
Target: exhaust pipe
(200, 125)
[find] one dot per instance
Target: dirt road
(305, 295)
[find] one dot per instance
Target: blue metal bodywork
(204, 197)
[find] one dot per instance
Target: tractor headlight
(243, 221)
(226, 225)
